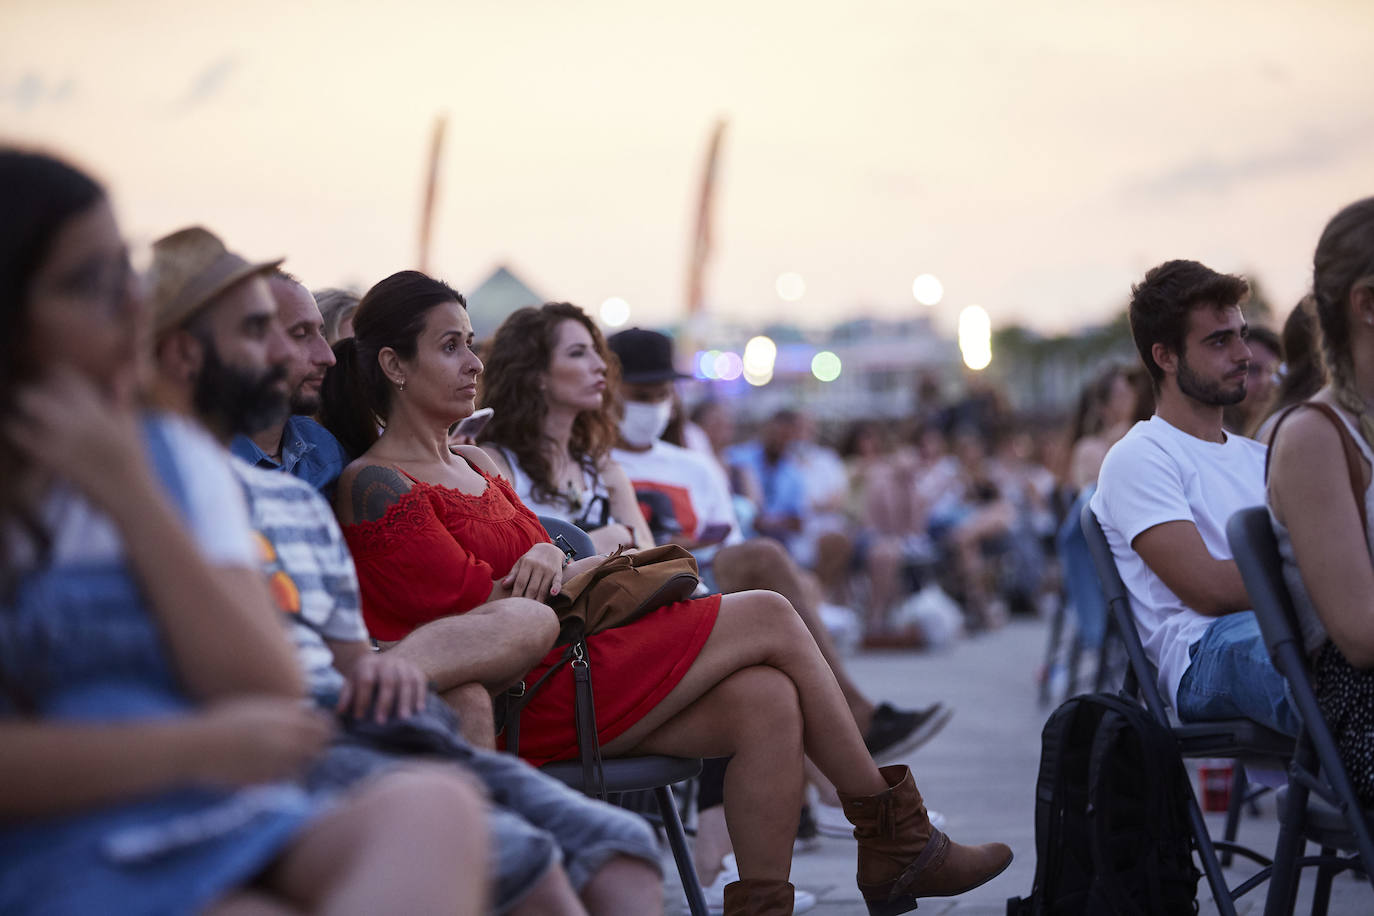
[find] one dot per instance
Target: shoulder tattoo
(374, 490)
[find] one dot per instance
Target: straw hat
(190, 268)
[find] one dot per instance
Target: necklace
(573, 496)
(567, 487)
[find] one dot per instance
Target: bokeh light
(825, 366)
(760, 353)
(927, 289)
(615, 312)
(759, 379)
(728, 366)
(975, 337)
(791, 287)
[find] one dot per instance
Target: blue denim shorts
(537, 821)
(534, 821)
(1230, 676)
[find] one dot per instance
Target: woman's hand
(259, 739)
(65, 424)
(538, 574)
(389, 684)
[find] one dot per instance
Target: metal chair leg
(1104, 655)
(1239, 786)
(1221, 894)
(1075, 655)
(1052, 650)
(677, 841)
(1321, 894)
(1283, 884)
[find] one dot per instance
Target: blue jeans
(1081, 586)
(534, 820)
(1231, 676)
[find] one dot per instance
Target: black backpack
(1111, 816)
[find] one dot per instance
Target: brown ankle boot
(757, 897)
(902, 857)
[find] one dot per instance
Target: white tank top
(592, 511)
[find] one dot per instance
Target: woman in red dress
(436, 533)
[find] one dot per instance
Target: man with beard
(222, 356)
(297, 444)
(1167, 489)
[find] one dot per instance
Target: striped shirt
(308, 567)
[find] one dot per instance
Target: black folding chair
(1320, 803)
(635, 774)
(1242, 740)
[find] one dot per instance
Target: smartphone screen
(713, 534)
(470, 426)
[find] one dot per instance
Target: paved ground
(980, 772)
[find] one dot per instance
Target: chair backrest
(1256, 552)
(1142, 677)
(576, 538)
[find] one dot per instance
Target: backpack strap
(1353, 457)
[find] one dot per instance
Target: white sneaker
(831, 822)
(729, 873)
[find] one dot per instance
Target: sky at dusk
(1037, 157)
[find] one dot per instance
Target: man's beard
(303, 402)
(239, 401)
(1212, 394)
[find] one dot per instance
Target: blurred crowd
(189, 460)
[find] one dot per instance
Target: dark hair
(41, 194)
(356, 396)
(1161, 303)
(860, 430)
(1344, 260)
(676, 430)
(1088, 419)
(1301, 375)
(1267, 337)
(518, 356)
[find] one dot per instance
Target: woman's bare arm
(50, 768)
(224, 636)
(1310, 491)
(624, 505)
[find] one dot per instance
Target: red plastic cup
(1215, 777)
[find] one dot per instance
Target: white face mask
(644, 423)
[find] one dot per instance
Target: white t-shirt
(1157, 473)
(690, 483)
(215, 512)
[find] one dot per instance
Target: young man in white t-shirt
(1167, 489)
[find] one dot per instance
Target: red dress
(437, 551)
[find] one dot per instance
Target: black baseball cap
(645, 356)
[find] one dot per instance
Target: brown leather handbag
(623, 588)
